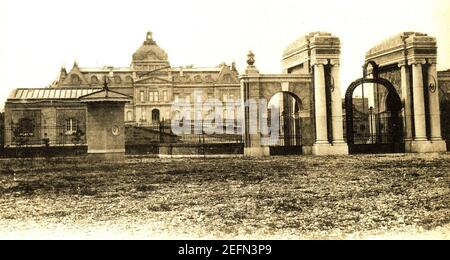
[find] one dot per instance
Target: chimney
(62, 74)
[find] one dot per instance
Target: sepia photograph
(255, 120)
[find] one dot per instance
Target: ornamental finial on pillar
(250, 58)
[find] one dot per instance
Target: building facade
(55, 113)
(154, 84)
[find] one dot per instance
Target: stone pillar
(336, 106)
(435, 113)
(419, 104)
(322, 146)
(437, 143)
(320, 104)
(420, 143)
(406, 98)
(251, 132)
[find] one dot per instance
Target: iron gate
(377, 128)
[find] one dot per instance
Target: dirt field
(350, 197)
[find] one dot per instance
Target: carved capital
(319, 62)
(413, 61)
(402, 63)
(335, 62)
(432, 61)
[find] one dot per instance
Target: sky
(38, 37)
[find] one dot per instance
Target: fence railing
(200, 133)
(58, 135)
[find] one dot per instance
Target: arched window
(94, 80)
(128, 79)
(117, 80)
(208, 78)
(155, 116)
(129, 116)
(227, 78)
(75, 79)
(198, 78)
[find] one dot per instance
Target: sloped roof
(105, 95)
(49, 93)
(105, 69)
(197, 69)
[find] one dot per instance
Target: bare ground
(348, 197)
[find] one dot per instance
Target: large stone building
(56, 113)
(154, 84)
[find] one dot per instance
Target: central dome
(150, 51)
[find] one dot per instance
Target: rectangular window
(188, 98)
(25, 127)
(153, 96)
(225, 98)
(165, 96)
(71, 126)
(176, 98)
(143, 115)
(142, 95)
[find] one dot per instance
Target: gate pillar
(407, 101)
(415, 55)
(250, 104)
(324, 60)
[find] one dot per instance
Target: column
(406, 97)
(320, 104)
(435, 113)
(419, 105)
(373, 116)
(251, 115)
(336, 106)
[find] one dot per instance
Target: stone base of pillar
(330, 149)
(428, 147)
(251, 70)
(256, 151)
(113, 157)
(408, 146)
(307, 150)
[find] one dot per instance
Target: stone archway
(408, 60)
(288, 107)
(311, 71)
(384, 124)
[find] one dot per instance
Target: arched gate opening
(373, 117)
(288, 106)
